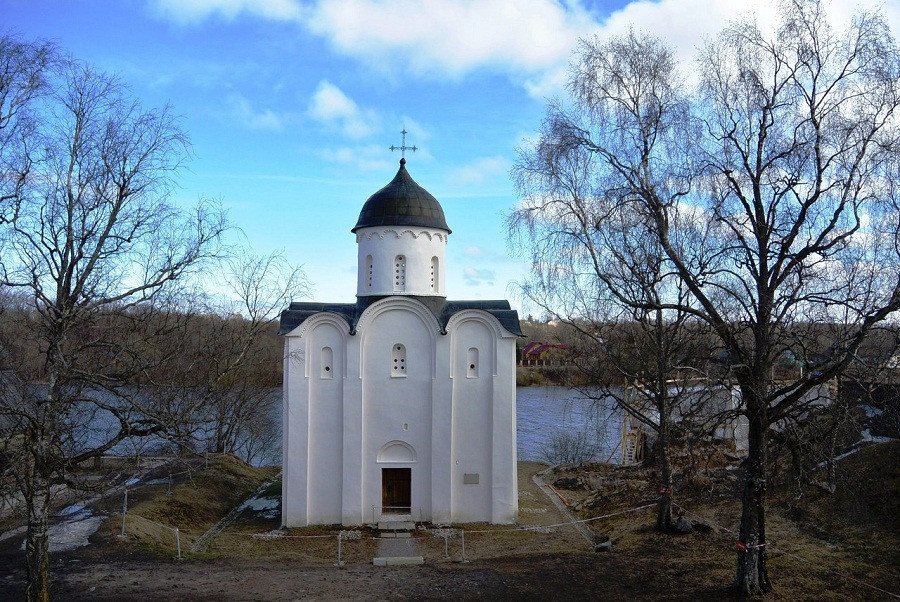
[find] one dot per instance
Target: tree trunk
(37, 554)
(664, 506)
(752, 576)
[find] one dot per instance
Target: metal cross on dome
(403, 148)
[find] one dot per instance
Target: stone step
(400, 525)
(395, 534)
(397, 560)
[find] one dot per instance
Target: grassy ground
(318, 545)
(822, 546)
(819, 542)
(199, 497)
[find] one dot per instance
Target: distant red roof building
(537, 353)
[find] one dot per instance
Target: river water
(544, 412)
(542, 415)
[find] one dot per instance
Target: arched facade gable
(479, 316)
(484, 319)
(429, 234)
(325, 317)
(393, 303)
(432, 327)
(397, 451)
(306, 333)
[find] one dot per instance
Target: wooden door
(396, 488)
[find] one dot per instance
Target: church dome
(402, 203)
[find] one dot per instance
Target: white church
(403, 404)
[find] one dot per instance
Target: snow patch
(871, 412)
(868, 437)
(73, 532)
(260, 504)
(865, 437)
(73, 509)
(265, 507)
(132, 481)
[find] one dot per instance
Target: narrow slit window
(434, 274)
(327, 363)
(472, 363)
(369, 272)
(398, 360)
(400, 273)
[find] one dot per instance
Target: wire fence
(174, 540)
(451, 542)
(154, 533)
(435, 543)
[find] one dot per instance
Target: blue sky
(291, 105)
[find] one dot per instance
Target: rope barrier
(844, 575)
(276, 536)
(795, 556)
(172, 529)
(477, 531)
(132, 515)
(553, 526)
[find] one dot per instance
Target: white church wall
(296, 442)
(442, 435)
(505, 481)
(397, 407)
(417, 246)
(472, 421)
(325, 342)
(352, 511)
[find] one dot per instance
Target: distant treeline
(190, 346)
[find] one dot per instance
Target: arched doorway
(396, 479)
(396, 490)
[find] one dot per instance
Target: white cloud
(531, 40)
(476, 277)
(439, 38)
(480, 170)
(689, 23)
(474, 251)
(241, 109)
(370, 157)
(331, 106)
(185, 12)
(534, 39)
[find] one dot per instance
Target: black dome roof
(402, 203)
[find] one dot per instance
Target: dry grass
(318, 545)
(199, 498)
(819, 543)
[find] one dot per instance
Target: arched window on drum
(435, 276)
(399, 273)
(368, 274)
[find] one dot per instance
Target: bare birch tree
(596, 262)
(794, 187)
(92, 242)
(234, 361)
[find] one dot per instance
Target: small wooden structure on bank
(712, 408)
